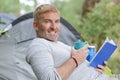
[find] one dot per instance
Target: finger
(106, 64)
(101, 67)
(99, 71)
(72, 49)
(85, 47)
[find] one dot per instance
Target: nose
(53, 26)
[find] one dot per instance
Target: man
(53, 60)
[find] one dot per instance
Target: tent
(14, 41)
(6, 19)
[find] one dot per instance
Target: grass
(114, 61)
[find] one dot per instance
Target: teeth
(52, 32)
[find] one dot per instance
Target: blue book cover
(104, 53)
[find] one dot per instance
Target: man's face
(48, 26)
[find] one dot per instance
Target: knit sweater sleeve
(40, 58)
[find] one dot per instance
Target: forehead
(50, 15)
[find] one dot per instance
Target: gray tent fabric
(6, 19)
(13, 65)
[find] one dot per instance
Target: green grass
(114, 65)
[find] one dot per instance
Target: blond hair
(44, 9)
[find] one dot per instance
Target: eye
(57, 21)
(47, 21)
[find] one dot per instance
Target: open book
(103, 53)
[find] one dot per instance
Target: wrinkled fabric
(44, 56)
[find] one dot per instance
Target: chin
(53, 39)
(50, 39)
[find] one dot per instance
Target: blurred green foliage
(114, 65)
(103, 21)
(71, 11)
(10, 6)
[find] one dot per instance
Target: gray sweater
(44, 56)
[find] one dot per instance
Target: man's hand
(81, 54)
(101, 69)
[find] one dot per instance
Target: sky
(31, 3)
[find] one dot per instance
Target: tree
(70, 10)
(88, 5)
(10, 6)
(102, 21)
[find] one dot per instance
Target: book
(104, 53)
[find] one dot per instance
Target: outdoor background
(93, 19)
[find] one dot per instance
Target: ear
(35, 24)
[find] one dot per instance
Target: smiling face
(48, 26)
